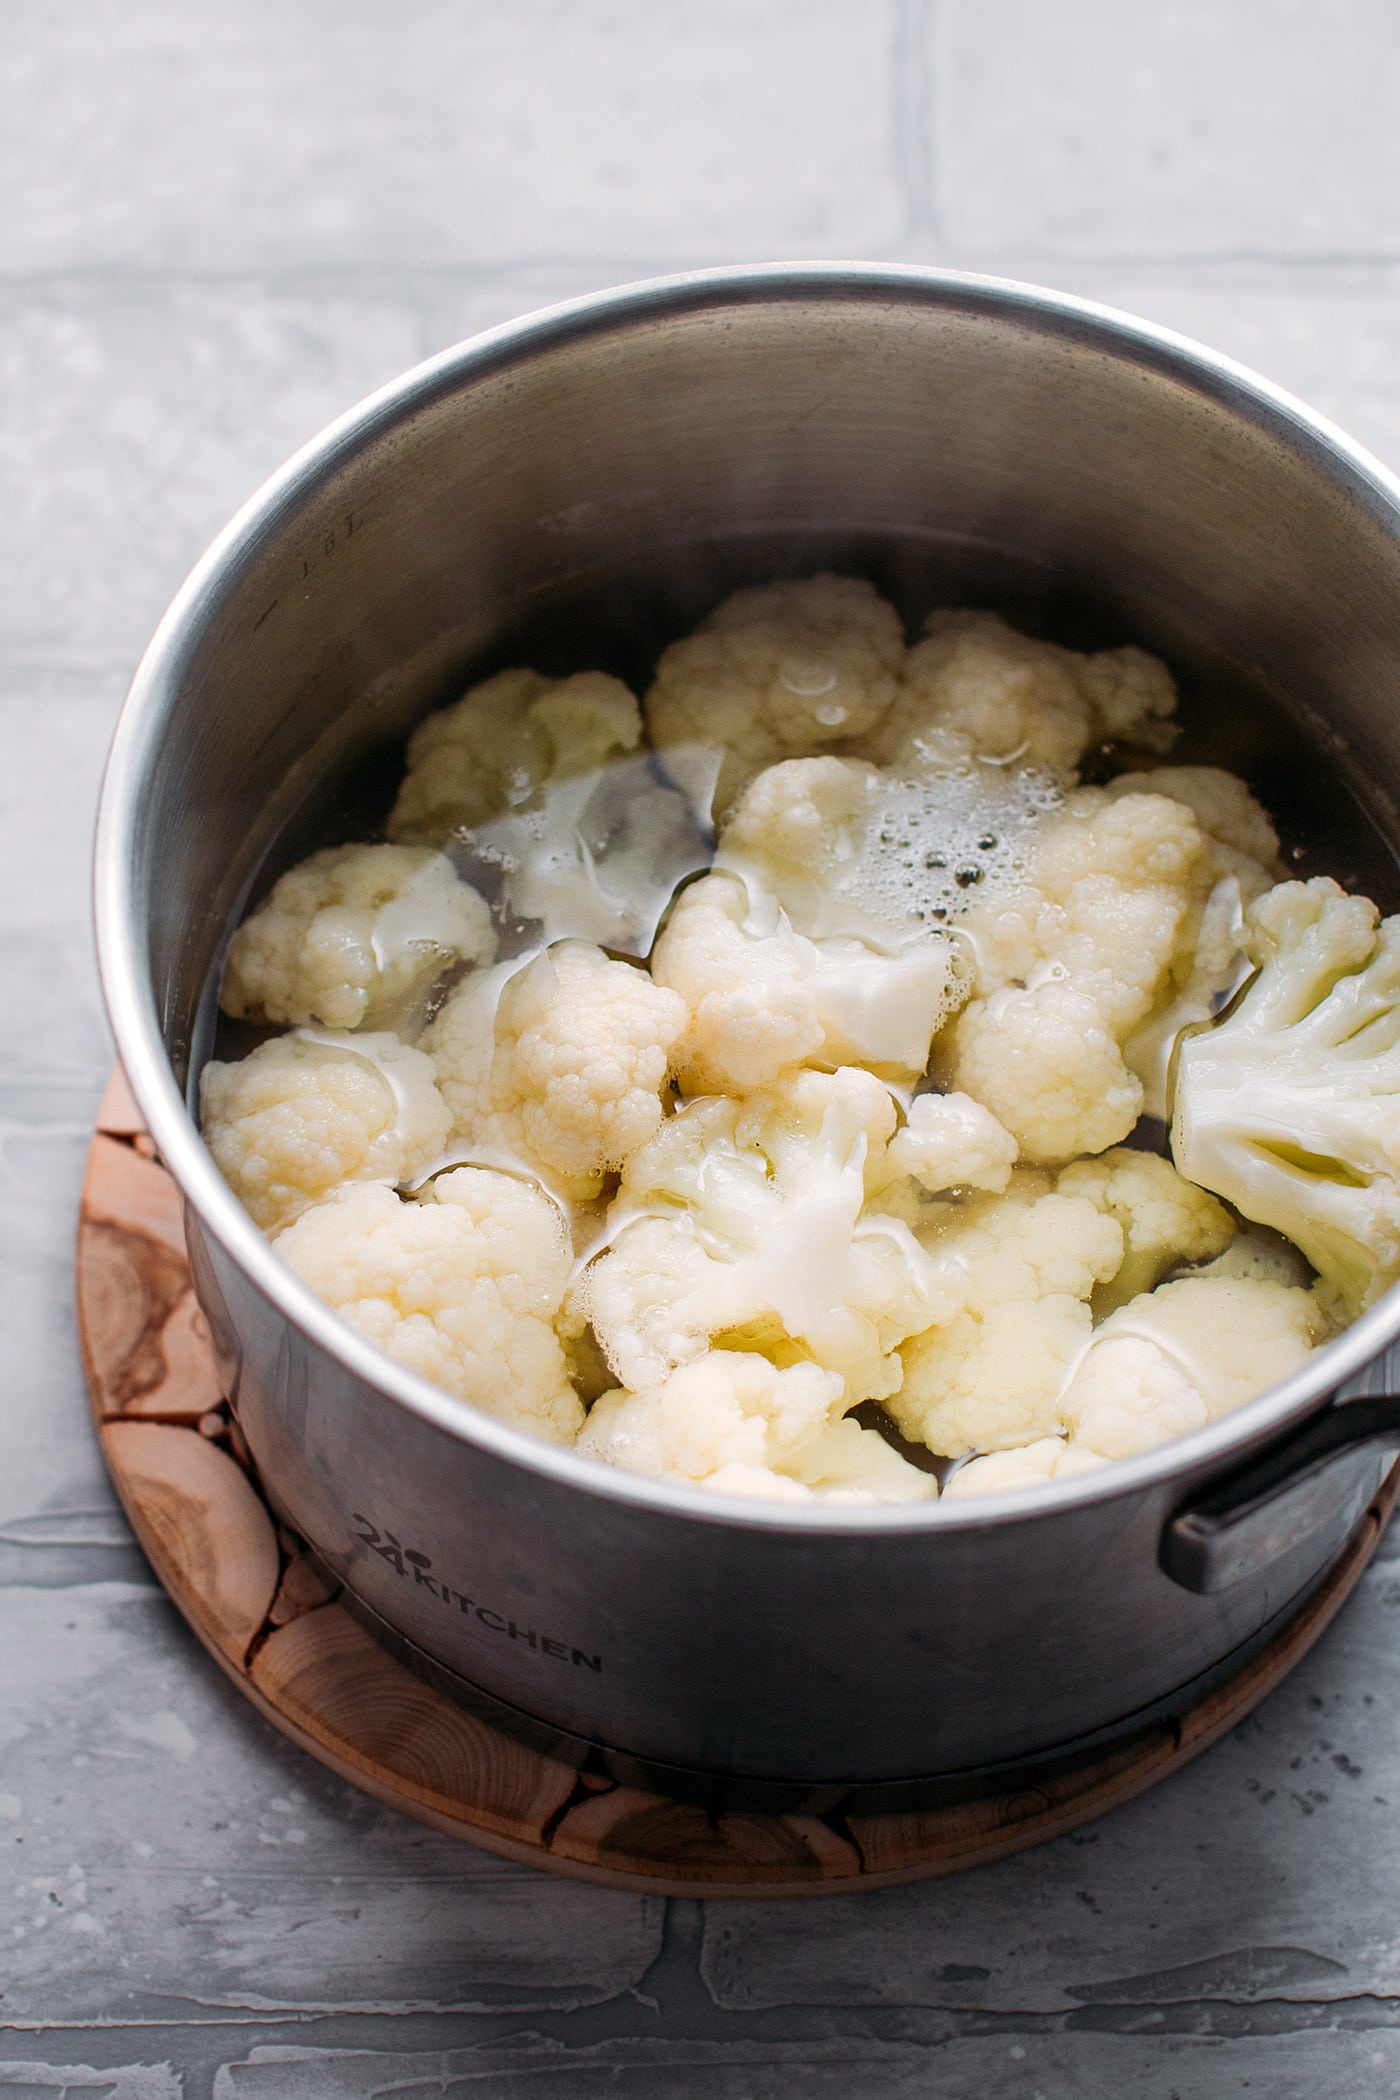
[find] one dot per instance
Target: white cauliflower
(461, 1287)
(761, 998)
(779, 670)
(1028, 1465)
(1009, 697)
(558, 1064)
(1067, 963)
(1211, 960)
(354, 936)
(949, 1141)
(1289, 1105)
(747, 1219)
(1177, 1357)
(497, 746)
(1167, 1221)
(1240, 832)
(1028, 1261)
(734, 1422)
(306, 1113)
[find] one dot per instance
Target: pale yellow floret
(460, 1287)
(496, 746)
(990, 1376)
(1068, 962)
(738, 1424)
(303, 1115)
(797, 830)
(950, 1141)
(1016, 699)
(761, 998)
(1175, 1358)
(779, 670)
(1167, 1221)
(1029, 1465)
(582, 1047)
(748, 1219)
(751, 1009)
(1049, 1068)
(1222, 805)
(354, 936)
(1128, 1396)
(559, 1064)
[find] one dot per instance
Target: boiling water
(621, 625)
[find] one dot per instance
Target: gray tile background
(223, 224)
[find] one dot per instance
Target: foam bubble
(939, 843)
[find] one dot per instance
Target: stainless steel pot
(577, 487)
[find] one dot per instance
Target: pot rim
(120, 940)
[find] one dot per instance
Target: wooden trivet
(251, 1593)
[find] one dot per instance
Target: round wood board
(250, 1591)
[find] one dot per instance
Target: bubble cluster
(944, 841)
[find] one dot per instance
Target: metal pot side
(646, 450)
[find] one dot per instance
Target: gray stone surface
(225, 225)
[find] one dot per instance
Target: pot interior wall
(583, 503)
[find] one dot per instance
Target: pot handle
(1258, 1512)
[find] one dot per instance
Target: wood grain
(209, 1537)
(343, 1689)
(636, 1834)
(144, 1339)
(265, 1612)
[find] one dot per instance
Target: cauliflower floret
(798, 832)
(748, 1219)
(1167, 1221)
(1029, 1465)
(776, 670)
(1178, 1356)
(1244, 839)
(1129, 1396)
(497, 745)
(559, 1063)
(761, 998)
(736, 1423)
(306, 1113)
(949, 1141)
(1067, 963)
(1289, 1106)
(1010, 697)
(460, 1287)
(1048, 1068)
(1211, 961)
(751, 1011)
(354, 935)
(1029, 1261)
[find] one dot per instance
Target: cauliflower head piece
(1027, 1465)
(558, 1064)
(1289, 1104)
(745, 1223)
(495, 747)
(461, 1286)
(1010, 698)
(761, 998)
(307, 1112)
(777, 670)
(1175, 1358)
(1067, 963)
(1028, 1262)
(740, 1425)
(1167, 1221)
(354, 937)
